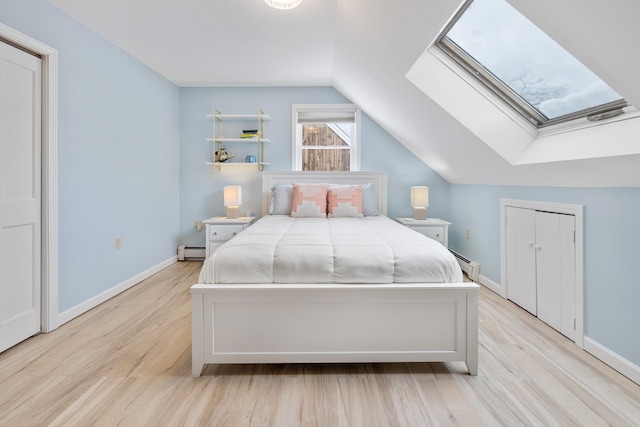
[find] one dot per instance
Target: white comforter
(282, 249)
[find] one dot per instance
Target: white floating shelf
(239, 139)
(235, 164)
(239, 116)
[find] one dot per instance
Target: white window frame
(502, 90)
(509, 134)
(322, 110)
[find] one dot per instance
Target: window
(523, 66)
(326, 137)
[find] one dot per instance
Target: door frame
(49, 165)
(578, 212)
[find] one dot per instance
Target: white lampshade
(419, 201)
(419, 197)
(283, 4)
(232, 200)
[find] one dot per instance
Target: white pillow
(369, 201)
(281, 199)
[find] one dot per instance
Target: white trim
(296, 148)
(492, 286)
(630, 112)
(508, 133)
(95, 301)
(612, 359)
(487, 94)
(356, 149)
(577, 211)
(49, 217)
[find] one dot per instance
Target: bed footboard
(334, 324)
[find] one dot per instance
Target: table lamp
(232, 200)
(419, 201)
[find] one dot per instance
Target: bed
(396, 307)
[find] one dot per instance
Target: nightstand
(435, 228)
(220, 229)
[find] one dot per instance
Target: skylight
(524, 66)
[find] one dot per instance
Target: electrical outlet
(198, 225)
(468, 234)
(118, 243)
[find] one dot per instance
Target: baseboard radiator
(190, 253)
(472, 268)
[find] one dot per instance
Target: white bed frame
(307, 323)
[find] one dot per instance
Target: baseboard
(492, 286)
(82, 308)
(191, 253)
(612, 359)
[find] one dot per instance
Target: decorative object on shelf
(250, 158)
(250, 133)
(419, 201)
(232, 200)
(283, 4)
(222, 155)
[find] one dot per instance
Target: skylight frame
(504, 92)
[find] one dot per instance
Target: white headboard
(377, 179)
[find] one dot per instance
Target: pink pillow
(309, 201)
(345, 201)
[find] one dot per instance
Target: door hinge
(574, 323)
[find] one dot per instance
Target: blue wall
(201, 186)
(118, 144)
(611, 283)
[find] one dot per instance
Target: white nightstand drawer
(434, 228)
(224, 232)
(221, 229)
(436, 233)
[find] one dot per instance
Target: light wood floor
(127, 363)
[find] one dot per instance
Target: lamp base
(232, 212)
(419, 213)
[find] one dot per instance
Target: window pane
(326, 135)
(331, 132)
(323, 159)
(527, 61)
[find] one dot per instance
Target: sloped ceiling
(364, 49)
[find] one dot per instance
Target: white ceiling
(218, 42)
(364, 49)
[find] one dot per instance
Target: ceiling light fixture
(283, 4)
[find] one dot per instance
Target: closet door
(521, 257)
(555, 271)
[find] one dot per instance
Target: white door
(556, 271)
(20, 136)
(521, 257)
(541, 265)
